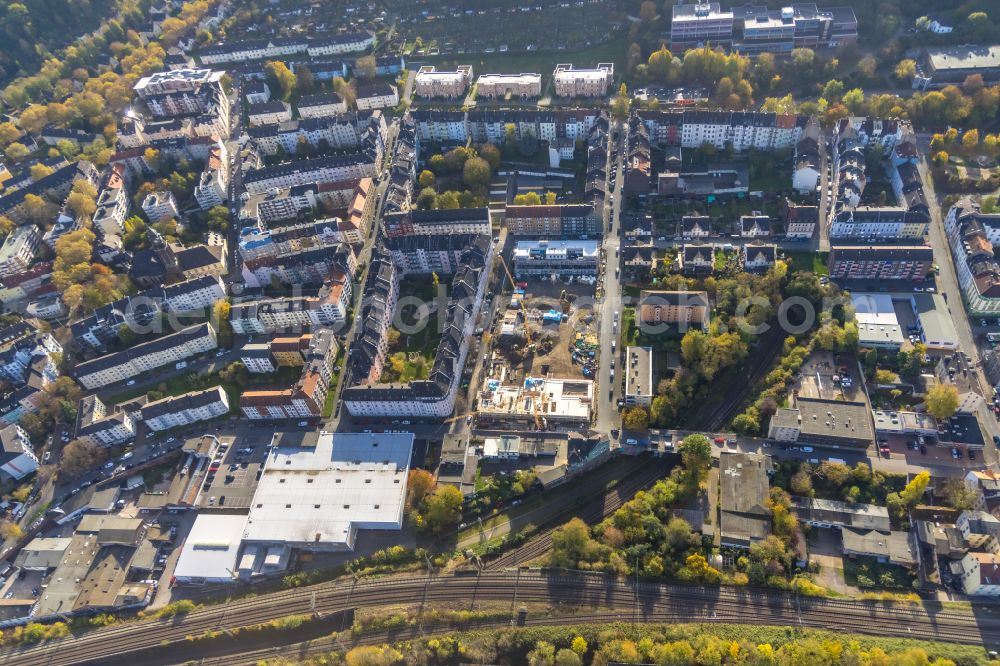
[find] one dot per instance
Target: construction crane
(524, 311)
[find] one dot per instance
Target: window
(315, 506)
(368, 480)
(376, 506)
(288, 506)
(347, 506)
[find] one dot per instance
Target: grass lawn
(814, 262)
(180, 384)
(630, 332)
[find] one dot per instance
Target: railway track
(592, 513)
(634, 601)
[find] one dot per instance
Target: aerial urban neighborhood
(357, 333)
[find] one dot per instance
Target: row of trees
(674, 645)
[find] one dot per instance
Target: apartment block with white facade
(182, 410)
(321, 105)
(442, 221)
(429, 82)
(330, 169)
(213, 184)
(572, 82)
(263, 49)
(344, 131)
(328, 308)
(160, 206)
(141, 312)
(269, 113)
(183, 92)
(99, 425)
(147, 356)
(885, 222)
(113, 203)
(376, 96)
(514, 85)
(18, 249)
(976, 264)
(17, 458)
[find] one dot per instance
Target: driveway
(825, 550)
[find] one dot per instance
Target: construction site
(543, 358)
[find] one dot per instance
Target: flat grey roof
(935, 320)
(964, 57)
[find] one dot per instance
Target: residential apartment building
(740, 130)
(160, 206)
(306, 398)
(376, 96)
(556, 221)
(572, 82)
(638, 371)
(436, 222)
(429, 82)
(335, 168)
(673, 308)
(329, 308)
(213, 183)
(435, 396)
(97, 424)
(806, 167)
(882, 223)
(321, 105)
(182, 410)
(440, 126)
(881, 262)
(269, 113)
(265, 49)
(513, 85)
(147, 356)
(374, 318)
(18, 250)
(257, 243)
(183, 92)
(979, 574)
(301, 267)
(970, 234)
(54, 187)
(363, 131)
(113, 204)
(17, 458)
(138, 312)
(24, 350)
(545, 258)
(801, 221)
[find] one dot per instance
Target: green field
(814, 262)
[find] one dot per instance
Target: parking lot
(232, 476)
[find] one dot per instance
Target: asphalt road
(947, 285)
(633, 600)
(609, 389)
